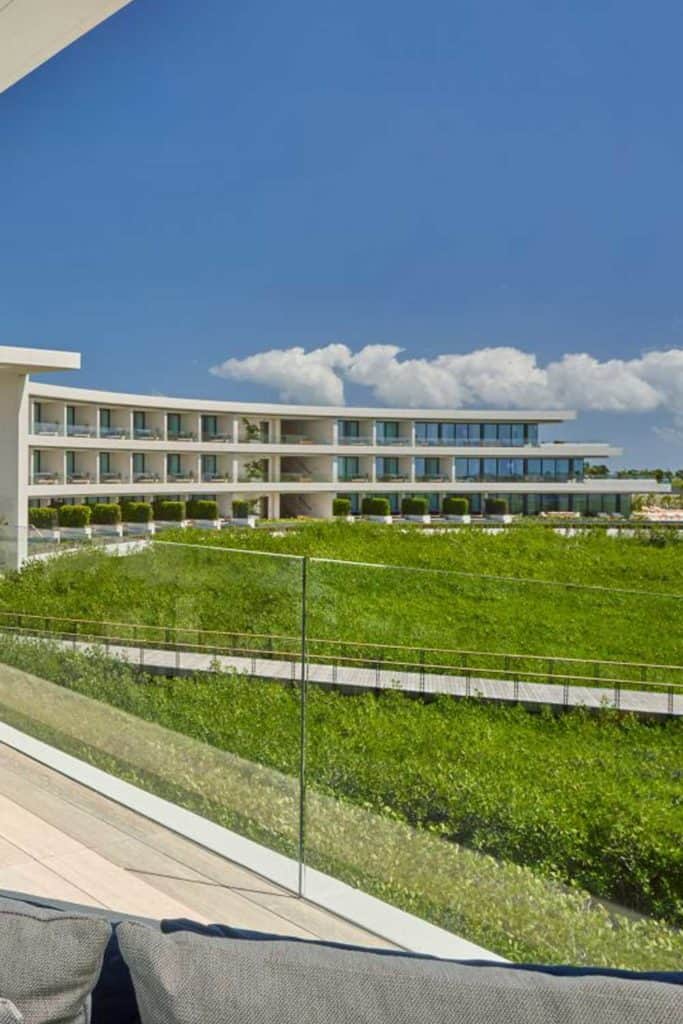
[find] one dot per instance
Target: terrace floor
(60, 840)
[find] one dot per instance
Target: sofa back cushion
(9, 1013)
(183, 978)
(49, 961)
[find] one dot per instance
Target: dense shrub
(415, 506)
(170, 511)
(341, 507)
(74, 515)
(453, 506)
(136, 512)
(375, 506)
(106, 514)
(43, 518)
(240, 509)
(202, 508)
(495, 507)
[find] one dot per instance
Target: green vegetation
(495, 507)
(375, 506)
(202, 508)
(43, 518)
(170, 511)
(407, 800)
(136, 512)
(241, 509)
(341, 507)
(414, 506)
(453, 506)
(76, 516)
(106, 514)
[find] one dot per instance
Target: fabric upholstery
(183, 978)
(9, 1013)
(50, 961)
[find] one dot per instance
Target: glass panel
(105, 418)
(532, 433)
(490, 432)
(505, 433)
(518, 433)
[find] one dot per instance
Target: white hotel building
(77, 445)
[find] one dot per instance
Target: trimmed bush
(341, 507)
(170, 511)
(106, 515)
(43, 518)
(495, 507)
(453, 506)
(74, 516)
(136, 512)
(415, 506)
(376, 507)
(202, 508)
(240, 510)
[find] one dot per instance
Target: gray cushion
(9, 1013)
(184, 978)
(50, 961)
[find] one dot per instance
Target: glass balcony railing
(46, 477)
(114, 433)
(183, 476)
(216, 437)
(387, 441)
(80, 430)
(216, 478)
(353, 478)
(415, 773)
(181, 435)
(390, 478)
(432, 478)
(253, 478)
(80, 477)
(114, 478)
(348, 439)
(47, 429)
(304, 477)
(146, 477)
(147, 434)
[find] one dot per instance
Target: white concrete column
(14, 467)
(274, 506)
(235, 470)
(236, 429)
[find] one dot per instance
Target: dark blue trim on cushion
(226, 931)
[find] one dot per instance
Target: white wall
(14, 463)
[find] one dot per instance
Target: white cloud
(502, 377)
(297, 375)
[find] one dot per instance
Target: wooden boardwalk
(171, 662)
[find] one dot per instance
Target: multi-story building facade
(82, 445)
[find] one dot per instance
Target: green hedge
(375, 507)
(415, 506)
(495, 507)
(170, 511)
(341, 507)
(74, 515)
(43, 518)
(136, 512)
(202, 508)
(240, 509)
(106, 515)
(453, 506)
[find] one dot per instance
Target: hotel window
(578, 467)
(490, 469)
(37, 412)
(209, 465)
(509, 469)
(348, 467)
(105, 462)
(532, 433)
(505, 433)
(387, 430)
(105, 419)
(518, 433)
(175, 423)
(467, 469)
(349, 428)
(467, 433)
(71, 415)
(387, 467)
(139, 463)
(70, 463)
(173, 465)
(490, 432)
(427, 467)
(427, 433)
(209, 426)
(139, 420)
(37, 462)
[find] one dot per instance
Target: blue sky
(191, 184)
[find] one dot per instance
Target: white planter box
(250, 521)
(464, 520)
(141, 529)
(500, 519)
(419, 519)
(107, 530)
(344, 519)
(206, 524)
(170, 524)
(75, 532)
(388, 520)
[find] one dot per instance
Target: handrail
(385, 664)
(347, 643)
